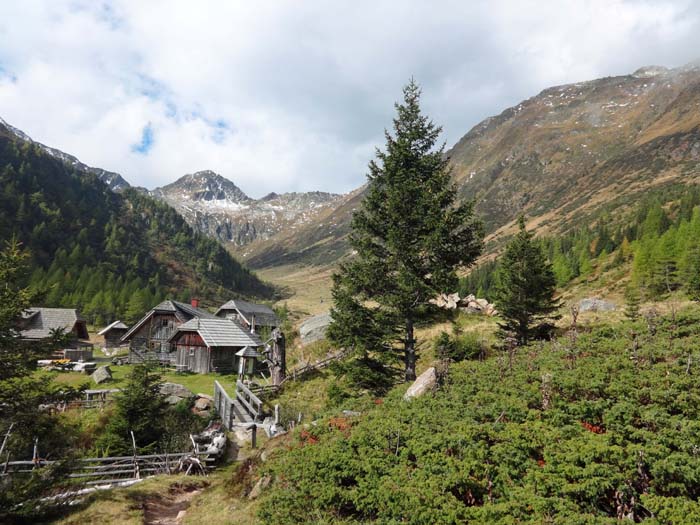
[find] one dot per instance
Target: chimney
(252, 324)
(194, 302)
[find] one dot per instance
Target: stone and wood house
(41, 323)
(205, 345)
(149, 338)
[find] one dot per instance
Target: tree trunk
(410, 352)
(278, 358)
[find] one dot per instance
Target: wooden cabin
(257, 318)
(41, 323)
(113, 334)
(204, 345)
(149, 338)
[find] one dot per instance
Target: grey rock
(101, 375)
(595, 304)
(314, 328)
(202, 403)
(175, 389)
(424, 383)
(173, 400)
(261, 485)
(205, 396)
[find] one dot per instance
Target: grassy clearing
(197, 383)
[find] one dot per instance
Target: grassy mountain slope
(558, 157)
(87, 241)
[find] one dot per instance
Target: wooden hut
(257, 318)
(113, 334)
(149, 338)
(41, 323)
(210, 345)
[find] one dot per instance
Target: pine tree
(141, 409)
(632, 302)
(409, 236)
(693, 286)
(525, 287)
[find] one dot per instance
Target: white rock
(424, 383)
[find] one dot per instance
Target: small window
(191, 351)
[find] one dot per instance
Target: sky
(295, 95)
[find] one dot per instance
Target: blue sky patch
(147, 138)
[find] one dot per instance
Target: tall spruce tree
(525, 286)
(409, 236)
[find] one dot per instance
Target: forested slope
(111, 255)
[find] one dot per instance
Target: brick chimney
(194, 302)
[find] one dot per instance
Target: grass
(127, 506)
(308, 288)
(197, 383)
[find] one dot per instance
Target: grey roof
(264, 315)
(182, 311)
(247, 351)
(41, 321)
(116, 325)
(219, 332)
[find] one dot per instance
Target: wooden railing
(249, 400)
(224, 405)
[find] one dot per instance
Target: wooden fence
(298, 373)
(93, 471)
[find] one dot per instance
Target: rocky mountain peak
(206, 186)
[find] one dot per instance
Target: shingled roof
(116, 325)
(264, 315)
(183, 311)
(219, 332)
(40, 322)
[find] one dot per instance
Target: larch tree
(525, 286)
(409, 236)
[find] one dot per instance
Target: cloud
(285, 95)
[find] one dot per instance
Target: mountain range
(559, 157)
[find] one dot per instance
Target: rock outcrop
(314, 328)
(424, 383)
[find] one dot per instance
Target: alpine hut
(149, 338)
(205, 345)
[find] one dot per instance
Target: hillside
(558, 157)
(104, 251)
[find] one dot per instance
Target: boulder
(205, 396)
(451, 301)
(101, 375)
(470, 310)
(424, 383)
(202, 403)
(176, 390)
(595, 304)
(173, 400)
(261, 485)
(314, 328)
(483, 303)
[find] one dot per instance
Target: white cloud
(294, 95)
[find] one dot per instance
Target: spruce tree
(409, 236)
(632, 302)
(525, 286)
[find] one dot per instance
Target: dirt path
(170, 509)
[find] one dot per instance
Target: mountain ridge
(557, 157)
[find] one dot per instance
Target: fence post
(137, 474)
